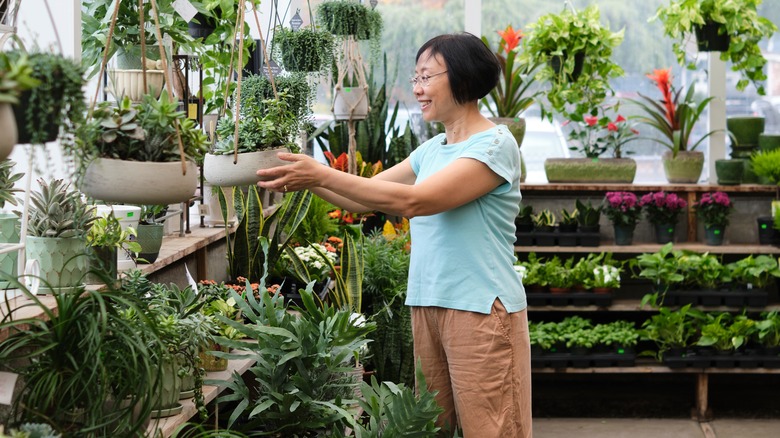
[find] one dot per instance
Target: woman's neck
(465, 123)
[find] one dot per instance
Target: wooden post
(691, 217)
(702, 390)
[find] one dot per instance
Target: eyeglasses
(423, 81)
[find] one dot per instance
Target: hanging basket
(130, 83)
(350, 103)
(139, 182)
(8, 136)
(557, 63)
(220, 171)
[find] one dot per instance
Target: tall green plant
(245, 253)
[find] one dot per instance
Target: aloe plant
(58, 211)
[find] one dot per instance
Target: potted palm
(575, 52)
(736, 21)
(57, 225)
(266, 123)
(140, 153)
(673, 117)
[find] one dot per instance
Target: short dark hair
(473, 70)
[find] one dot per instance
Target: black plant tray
(566, 360)
(733, 298)
(722, 361)
(568, 299)
(556, 238)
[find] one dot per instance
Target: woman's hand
(300, 174)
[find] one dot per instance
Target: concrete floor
(654, 428)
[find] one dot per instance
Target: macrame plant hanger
(163, 59)
(350, 66)
(240, 25)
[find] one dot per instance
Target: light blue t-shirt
(463, 258)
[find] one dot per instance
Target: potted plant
(737, 22)
(150, 232)
(514, 93)
(567, 225)
(588, 217)
(266, 123)
(622, 208)
(306, 50)
(593, 136)
(714, 209)
(524, 220)
(575, 52)
(9, 222)
(662, 269)
(769, 331)
(673, 117)
(106, 236)
(606, 278)
(663, 211)
(671, 330)
(755, 271)
(15, 77)
(56, 103)
(140, 153)
(766, 165)
(350, 18)
(57, 223)
(544, 225)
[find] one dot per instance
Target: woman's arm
(393, 191)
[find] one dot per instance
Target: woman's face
(435, 98)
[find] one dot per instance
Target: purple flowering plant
(662, 207)
(714, 209)
(622, 208)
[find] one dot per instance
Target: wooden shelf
(643, 247)
(166, 426)
(633, 305)
(687, 188)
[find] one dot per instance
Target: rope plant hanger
(351, 78)
(163, 59)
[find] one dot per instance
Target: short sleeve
(500, 153)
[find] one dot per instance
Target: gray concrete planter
(593, 170)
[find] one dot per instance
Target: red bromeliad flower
(510, 38)
(663, 80)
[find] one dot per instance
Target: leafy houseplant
(593, 136)
(106, 236)
(304, 50)
(766, 164)
(561, 39)
(588, 215)
(670, 329)
(15, 77)
(544, 220)
(738, 20)
(349, 17)
(524, 221)
(755, 270)
(57, 102)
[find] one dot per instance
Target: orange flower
(335, 214)
(663, 80)
(510, 38)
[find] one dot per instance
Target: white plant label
(7, 385)
(185, 9)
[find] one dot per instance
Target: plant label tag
(185, 9)
(7, 385)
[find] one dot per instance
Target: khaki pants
(481, 366)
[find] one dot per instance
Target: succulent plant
(7, 180)
(58, 211)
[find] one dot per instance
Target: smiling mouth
(424, 104)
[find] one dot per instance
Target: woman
(461, 190)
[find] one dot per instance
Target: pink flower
(620, 119)
(591, 120)
(612, 127)
(662, 207)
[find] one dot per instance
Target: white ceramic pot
(219, 170)
(8, 136)
(130, 83)
(350, 103)
(139, 182)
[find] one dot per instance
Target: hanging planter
(226, 171)
(8, 135)
(304, 50)
(709, 37)
(557, 62)
(201, 26)
(139, 182)
(350, 103)
(130, 83)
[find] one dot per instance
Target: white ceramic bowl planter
(139, 182)
(220, 171)
(7, 130)
(350, 103)
(130, 83)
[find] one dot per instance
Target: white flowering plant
(606, 276)
(316, 258)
